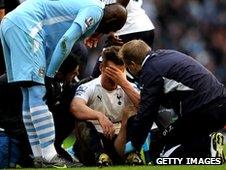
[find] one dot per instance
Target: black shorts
(90, 144)
(192, 130)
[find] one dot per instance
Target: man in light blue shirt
(36, 37)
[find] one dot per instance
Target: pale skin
(79, 106)
(120, 141)
(120, 78)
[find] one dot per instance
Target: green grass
(169, 167)
(70, 140)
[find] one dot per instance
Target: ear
(101, 66)
(133, 63)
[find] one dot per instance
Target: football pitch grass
(150, 167)
(168, 167)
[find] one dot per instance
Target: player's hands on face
(116, 75)
(114, 39)
(107, 126)
(93, 40)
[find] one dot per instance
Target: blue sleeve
(85, 20)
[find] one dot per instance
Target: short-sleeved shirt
(111, 103)
(137, 19)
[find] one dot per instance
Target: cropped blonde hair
(135, 50)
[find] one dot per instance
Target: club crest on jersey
(41, 72)
(81, 90)
(89, 22)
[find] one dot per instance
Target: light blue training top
(57, 24)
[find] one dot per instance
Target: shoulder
(87, 87)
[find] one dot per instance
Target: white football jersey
(137, 19)
(110, 103)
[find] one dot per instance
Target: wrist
(99, 115)
(124, 83)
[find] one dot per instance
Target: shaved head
(114, 18)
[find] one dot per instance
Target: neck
(109, 88)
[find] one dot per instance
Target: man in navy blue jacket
(175, 80)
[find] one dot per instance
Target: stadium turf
(192, 167)
(70, 140)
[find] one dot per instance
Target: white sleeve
(84, 91)
(109, 1)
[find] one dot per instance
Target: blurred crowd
(196, 27)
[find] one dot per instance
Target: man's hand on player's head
(93, 40)
(114, 39)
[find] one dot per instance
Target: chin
(110, 87)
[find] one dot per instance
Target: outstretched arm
(63, 48)
(86, 20)
(139, 125)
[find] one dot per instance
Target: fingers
(115, 39)
(113, 68)
(113, 71)
(109, 131)
(87, 42)
(108, 127)
(116, 75)
(91, 42)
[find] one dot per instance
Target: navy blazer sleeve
(139, 125)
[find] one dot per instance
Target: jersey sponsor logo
(99, 97)
(89, 22)
(81, 90)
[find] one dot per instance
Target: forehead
(110, 63)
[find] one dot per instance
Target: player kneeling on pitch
(100, 139)
(175, 80)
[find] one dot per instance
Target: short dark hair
(114, 18)
(70, 63)
(111, 54)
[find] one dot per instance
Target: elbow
(74, 110)
(64, 44)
